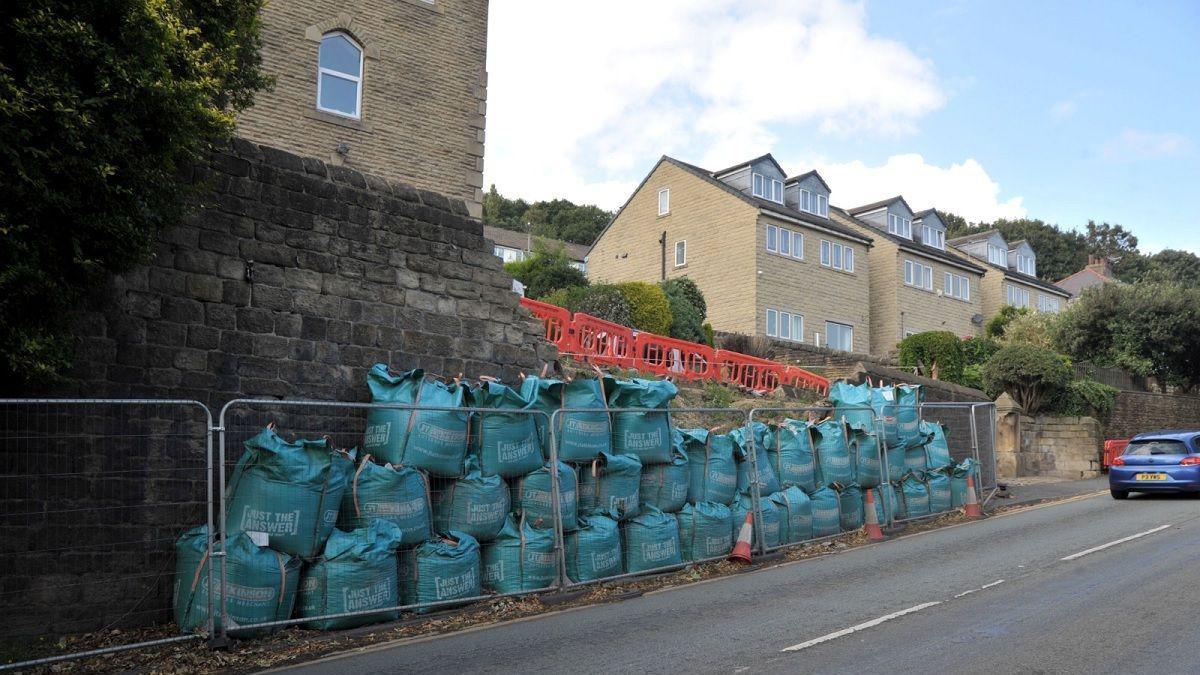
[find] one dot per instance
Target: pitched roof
(522, 241)
(1085, 278)
(921, 214)
(1015, 275)
(913, 245)
(749, 162)
(1014, 244)
(978, 236)
(879, 204)
(797, 179)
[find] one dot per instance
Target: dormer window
(1025, 264)
(768, 188)
(932, 236)
(997, 256)
(814, 203)
(899, 225)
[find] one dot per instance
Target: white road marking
(983, 587)
(862, 626)
(1122, 540)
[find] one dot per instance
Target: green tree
(1038, 329)
(555, 219)
(688, 309)
(1109, 241)
(1169, 265)
(503, 212)
(938, 349)
(1059, 252)
(1031, 375)
(104, 107)
(545, 271)
(997, 324)
(649, 308)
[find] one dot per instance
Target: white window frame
(358, 81)
(1050, 304)
(806, 201)
(664, 201)
(1025, 264)
(791, 236)
(814, 203)
(1001, 257)
(918, 275)
(794, 321)
(837, 256)
(772, 230)
(822, 205)
(761, 184)
(937, 235)
(951, 282)
(900, 226)
(681, 247)
(849, 329)
(1012, 294)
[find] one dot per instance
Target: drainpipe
(662, 244)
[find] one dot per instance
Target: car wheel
(1119, 494)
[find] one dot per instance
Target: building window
(996, 256)
(768, 188)
(918, 275)
(957, 286)
(837, 256)
(581, 266)
(1017, 297)
(339, 76)
(664, 201)
(814, 203)
(785, 242)
(508, 254)
(681, 253)
(785, 325)
(772, 239)
(1025, 264)
(839, 336)
(900, 225)
(934, 237)
(1048, 304)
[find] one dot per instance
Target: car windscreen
(1141, 448)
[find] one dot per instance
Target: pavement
(1082, 586)
(1032, 490)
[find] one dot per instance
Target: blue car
(1159, 461)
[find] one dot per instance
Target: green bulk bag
(886, 507)
(852, 404)
(583, 435)
(397, 494)
(915, 459)
(704, 531)
(665, 486)
(772, 528)
(520, 558)
(864, 448)
(433, 441)
(533, 497)
(444, 568)
(611, 482)
(768, 482)
(291, 491)
(506, 443)
(940, 492)
(645, 435)
(897, 459)
(795, 509)
(356, 572)
(260, 584)
(833, 454)
(883, 401)
(914, 497)
(712, 471)
(650, 541)
(826, 512)
(908, 413)
(790, 453)
(474, 504)
(958, 482)
(937, 449)
(545, 396)
(850, 502)
(593, 549)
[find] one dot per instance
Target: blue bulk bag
(897, 462)
(940, 497)
(850, 502)
(665, 486)
(772, 527)
(958, 481)
(704, 531)
(611, 483)
(864, 448)
(886, 507)
(914, 497)
(356, 572)
(937, 450)
(593, 549)
(908, 413)
(713, 473)
(583, 435)
(474, 504)
(852, 404)
(444, 568)
(650, 541)
(545, 396)
(826, 512)
(883, 401)
(795, 515)
(645, 435)
(790, 453)
(507, 443)
(832, 452)
(520, 558)
(260, 583)
(533, 497)
(433, 441)
(289, 490)
(399, 495)
(915, 459)
(768, 482)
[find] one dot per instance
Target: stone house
(762, 247)
(1097, 273)
(1011, 273)
(511, 246)
(916, 285)
(372, 85)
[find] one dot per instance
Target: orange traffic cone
(874, 532)
(741, 550)
(972, 506)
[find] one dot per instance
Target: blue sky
(1063, 111)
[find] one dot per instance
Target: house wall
(791, 193)
(423, 103)
(718, 228)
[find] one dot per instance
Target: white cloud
(1132, 144)
(1063, 110)
(965, 189)
(582, 97)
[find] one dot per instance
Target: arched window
(339, 76)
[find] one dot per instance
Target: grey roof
(1024, 278)
(975, 237)
(915, 246)
(796, 179)
(521, 241)
(921, 214)
(1014, 244)
(875, 205)
(749, 162)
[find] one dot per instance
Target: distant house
(1097, 273)
(511, 246)
(1011, 273)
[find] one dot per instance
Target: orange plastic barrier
(749, 371)
(1112, 450)
(799, 377)
(604, 342)
(671, 357)
(556, 319)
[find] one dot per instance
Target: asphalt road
(928, 603)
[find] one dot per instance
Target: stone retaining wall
(1060, 447)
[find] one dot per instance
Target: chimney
(1100, 264)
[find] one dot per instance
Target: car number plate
(1151, 476)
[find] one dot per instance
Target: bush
(972, 376)
(648, 306)
(687, 288)
(1037, 329)
(1087, 398)
(1031, 375)
(997, 324)
(687, 309)
(545, 271)
(567, 298)
(938, 348)
(717, 396)
(977, 350)
(709, 336)
(604, 301)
